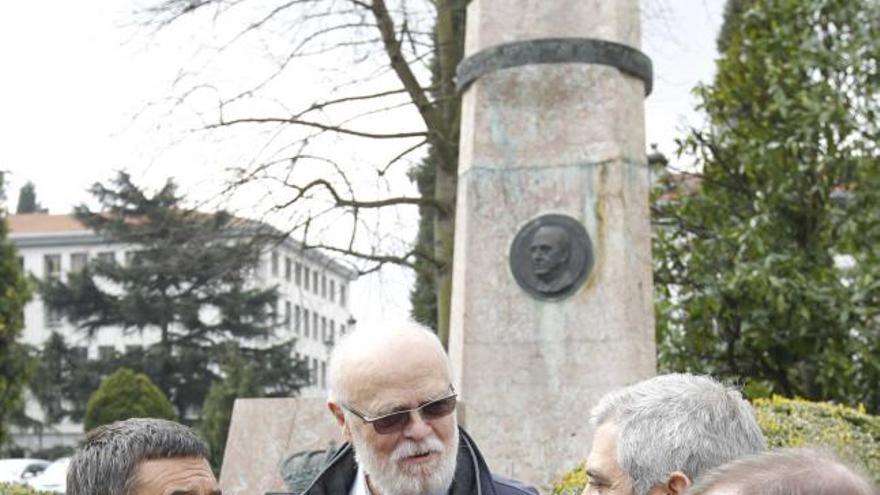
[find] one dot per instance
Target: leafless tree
(356, 94)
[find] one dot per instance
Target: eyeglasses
(397, 421)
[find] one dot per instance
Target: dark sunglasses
(397, 421)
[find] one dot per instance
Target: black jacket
(472, 476)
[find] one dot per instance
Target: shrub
(572, 482)
(850, 432)
(17, 489)
(126, 394)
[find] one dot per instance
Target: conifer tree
(186, 282)
(14, 294)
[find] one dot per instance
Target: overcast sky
(73, 75)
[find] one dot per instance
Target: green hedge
(125, 394)
(850, 432)
(16, 489)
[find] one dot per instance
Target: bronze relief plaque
(551, 256)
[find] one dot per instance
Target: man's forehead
(382, 396)
(603, 453)
(550, 233)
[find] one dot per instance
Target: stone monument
(552, 292)
(271, 439)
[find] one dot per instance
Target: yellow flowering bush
(572, 482)
(850, 432)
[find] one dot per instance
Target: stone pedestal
(536, 139)
(263, 437)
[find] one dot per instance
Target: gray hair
(360, 348)
(677, 422)
(786, 472)
(106, 463)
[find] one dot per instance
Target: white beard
(388, 477)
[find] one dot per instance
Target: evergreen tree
(27, 200)
(14, 294)
(50, 385)
(768, 271)
(240, 381)
(125, 394)
(64, 379)
(185, 281)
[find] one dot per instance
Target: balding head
(785, 472)
(368, 359)
(391, 393)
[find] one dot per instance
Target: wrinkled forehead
(396, 378)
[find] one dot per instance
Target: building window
(51, 266)
(297, 319)
(51, 317)
(341, 330)
(342, 295)
(78, 262)
(134, 349)
(315, 281)
(288, 268)
(332, 291)
(315, 325)
(332, 331)
(287, 320)
(323, 374)
(323, 285)
(79, 354)
(314, 373)
(307, 278)
(323, 329)
(306, 320)
(107, 257)
(106, 352)
(297, 274)
(274, 263)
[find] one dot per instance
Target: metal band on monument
(556, 51)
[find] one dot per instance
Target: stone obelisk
(552, 291)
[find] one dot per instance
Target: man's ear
(676, 483)
(336, 410)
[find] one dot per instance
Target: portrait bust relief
(551, 256)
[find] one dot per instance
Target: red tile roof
(32, 223)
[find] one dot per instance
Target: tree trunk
(450, 49)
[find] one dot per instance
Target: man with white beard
(391, 393)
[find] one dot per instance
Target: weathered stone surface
(266, 432)
(540, 139)
(492, 22)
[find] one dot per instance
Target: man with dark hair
(659, 435)
(141, 456)
(784, 472)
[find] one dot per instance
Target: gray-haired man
(657, 436)
(141, 457)
(391, 394)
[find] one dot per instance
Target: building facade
(313, 304)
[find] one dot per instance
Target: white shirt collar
(360, 484)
